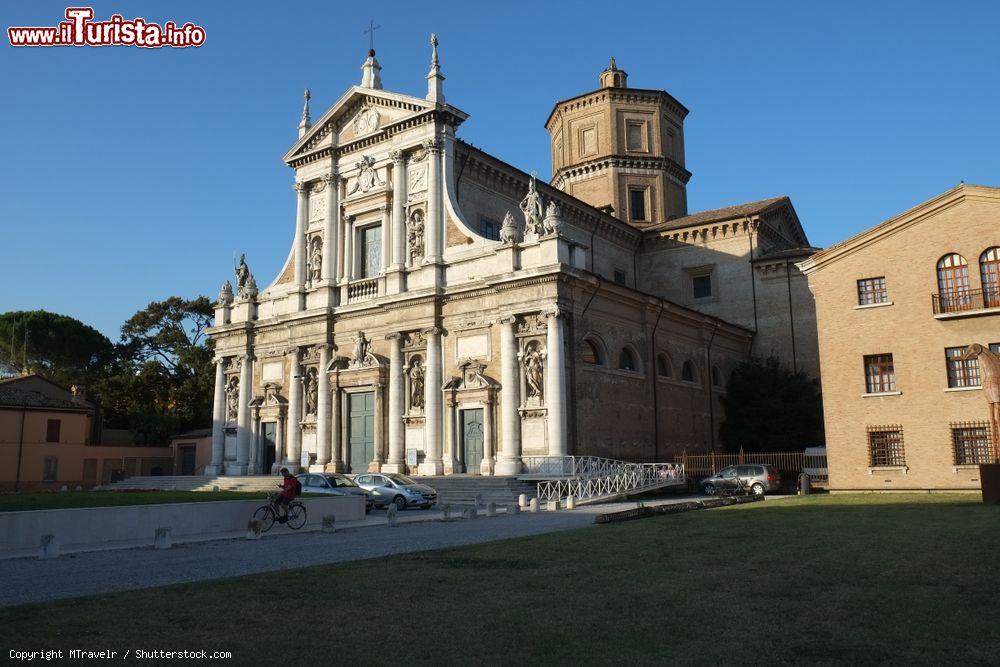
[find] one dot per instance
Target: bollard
(552, 505)
(522, 500)
(49, 547)
(514, 508)
(805, 484)
(447, 512)
(162, 539)
(253, 529)
(390, 515)
(491, 508)
(64, 488)
(329, 523)
(570, 502)
(215, 488)
(533, 505)
(479, 500)
(470, 513)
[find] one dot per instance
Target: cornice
(599, 164)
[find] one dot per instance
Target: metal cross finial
(371, 34)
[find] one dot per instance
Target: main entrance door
(361, 409)
(472, 439)
(270, 447)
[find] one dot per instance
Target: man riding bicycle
(290, 488)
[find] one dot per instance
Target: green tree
(59, 347)
(770, 408)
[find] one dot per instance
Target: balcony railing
(362, 290)
(962, 301)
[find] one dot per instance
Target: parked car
(399, 489)
(757, 479)
(334, 485)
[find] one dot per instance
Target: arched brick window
(989, 271)
(626, 360)
(591, 352)
(663, 368)
(687, 372)
(953, 283)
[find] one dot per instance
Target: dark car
(757, 479)
(333, 484)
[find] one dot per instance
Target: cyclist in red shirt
(289, 490)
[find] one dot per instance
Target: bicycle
(267, 514)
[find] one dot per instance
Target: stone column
(434, 227)
(293, 452)
(322, 412)
(386, 243)
(510, 399)
(254, 463)
(433, 437)
(348, 248)
(555, 383)
(279, 443)
(398, 209)
(452, 437)
(345, 442)
(218, 420)
(395, 461)
(486, 467)
(337, 463)
(243, 417)
(376, 463)
(301, 222)
(330, 224)
(342, 249)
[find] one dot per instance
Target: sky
(130, 175)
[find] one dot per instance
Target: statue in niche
(415, 235)
(233, 399)
(508, 230)
(531, 206)
(362, 355)
(316, 259)
(311, 389)
(534, 371)
(416, 385)
(226, 294)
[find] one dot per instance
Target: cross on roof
(371, 34)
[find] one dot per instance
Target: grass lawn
(821, 579)
(50, 500)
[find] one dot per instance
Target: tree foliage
(770, 408)
(59, 347)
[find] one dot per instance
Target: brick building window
(971, 443)
(885, 446)
(701, 286)
(880, 377)
(872, 291)
(52, 429)
(633, 136)
(953, 284)
(626, 360)
(961, 372)
(50, 469)
(591, 352)
(637, 204)
(489, 228)
(989, 271)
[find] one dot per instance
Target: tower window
(633, 136)
(701, 286)
(637, 203)
(588, 141)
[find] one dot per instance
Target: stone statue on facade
(233, 399)
(226, 294)
(534, 371)
(553, 218)
(316, 259)
(989, 373)
(531, 206)
(415, 235)
(416, 374)
(246, 286)
(362, 355)
(311, 390)
(508, 230)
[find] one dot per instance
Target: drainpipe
(753, 281)
(708, 377)
(791, 315)
(20, 450)
(654, 373)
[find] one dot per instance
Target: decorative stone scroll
(366, 121)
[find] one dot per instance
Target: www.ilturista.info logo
(81, 30)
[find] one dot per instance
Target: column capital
(397, 156)
(395, 335)
(300, 187)
(432, 331)
(332, 177)
(294, 350)
(348, 219)
(434, 145)
(554, 312)
(506, 320)
(384, 208)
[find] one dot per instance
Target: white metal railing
(362, 290)
(573, 466)
(615, 478)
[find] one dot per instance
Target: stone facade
(915, 321)
(442, 312)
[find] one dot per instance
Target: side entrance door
(187, 459)
(361, 410)
(270, 447)
(472, 439)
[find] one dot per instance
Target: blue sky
(129, 175)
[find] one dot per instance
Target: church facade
(442, 312)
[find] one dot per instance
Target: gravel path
(30, 580)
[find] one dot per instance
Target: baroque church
(442, 312)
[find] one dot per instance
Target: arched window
(953, 283)
(591, 352)
(626, 360)
(716, 377)
(663, 368)
(989, 271)
(687, 372)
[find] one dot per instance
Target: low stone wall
(86, 528)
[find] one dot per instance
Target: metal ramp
(592, 479)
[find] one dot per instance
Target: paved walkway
(31, 580)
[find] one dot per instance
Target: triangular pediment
(359, 113)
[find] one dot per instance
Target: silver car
(757, 479)
(388, 488)
(333, 485)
